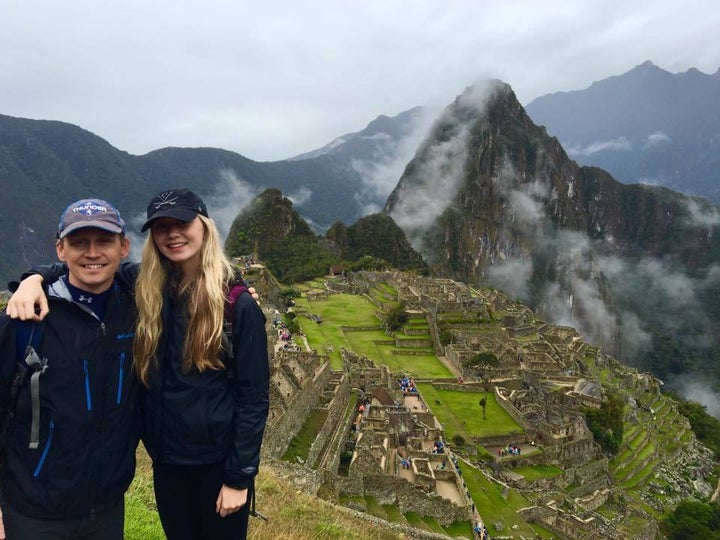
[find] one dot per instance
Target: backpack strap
(39, 366)
(254, 512)
(32, 362)
(235, 288)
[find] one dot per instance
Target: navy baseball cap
(94, 213)
(179, 203)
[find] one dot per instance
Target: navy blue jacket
(88, 411)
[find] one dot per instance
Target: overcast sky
(273, 79)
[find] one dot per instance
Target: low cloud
(380, 174)
(695, 389)
(621, 144)
(656, 139)
(434, 181)
(701, 213)
(301, 196)
(434, 186)
(229, 197)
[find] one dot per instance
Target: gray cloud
(614, 145)
(380, 175)
(656, 139)
(300, 196)
(695, 389)
(275, 79)
(701, 213)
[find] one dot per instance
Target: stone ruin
(385, 450)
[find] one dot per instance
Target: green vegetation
(350, 321)
(490, 502)
(606, 423)
(300, 444)
(692, 520)
(459, 412)
(536, 472)
(275, 232)
(483, 363)
(396, 317)
(705, 426)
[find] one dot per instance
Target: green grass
(394, 514)
(536, 472)
(337, 311)
(461, 529)
(492, 507)
(433, 524)
(300, 444)
(374, 508)
(344, 310)
(416, 521)
(461, 414)
(141, 518)
(425, 366)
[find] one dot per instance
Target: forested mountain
(646, 125)
(491, 198)
(272, 230)
(45, 165)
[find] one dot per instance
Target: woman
(203, 415)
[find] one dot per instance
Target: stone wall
(280, 432)
(511, 409)
(334, 421)
(409, 498)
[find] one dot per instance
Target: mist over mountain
(491, 198)
(644, 126)
(488, 198)
(373, 159)
(270, 228)
(45, 165)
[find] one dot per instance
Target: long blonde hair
(205, 294)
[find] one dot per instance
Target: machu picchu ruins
(381, 440)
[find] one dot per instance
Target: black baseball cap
(178, 203)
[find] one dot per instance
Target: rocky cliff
(491, 198)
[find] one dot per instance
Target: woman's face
(179, 241)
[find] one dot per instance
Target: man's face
(92, 256)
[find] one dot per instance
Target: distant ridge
(644, 126)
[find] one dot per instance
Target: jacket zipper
(45, 451)
(120, 378)
(100, 421)
(88, 396)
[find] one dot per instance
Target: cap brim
(182, 214)
(105, 226)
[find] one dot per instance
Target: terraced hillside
(534, 451)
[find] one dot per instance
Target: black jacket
(217, 416)
(88, 411)
(204, 418)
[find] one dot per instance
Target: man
(71, 430)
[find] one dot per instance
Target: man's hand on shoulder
(29, 302)
(254, 294)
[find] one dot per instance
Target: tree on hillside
(483, 363)
(396, 317)
(606, 423)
